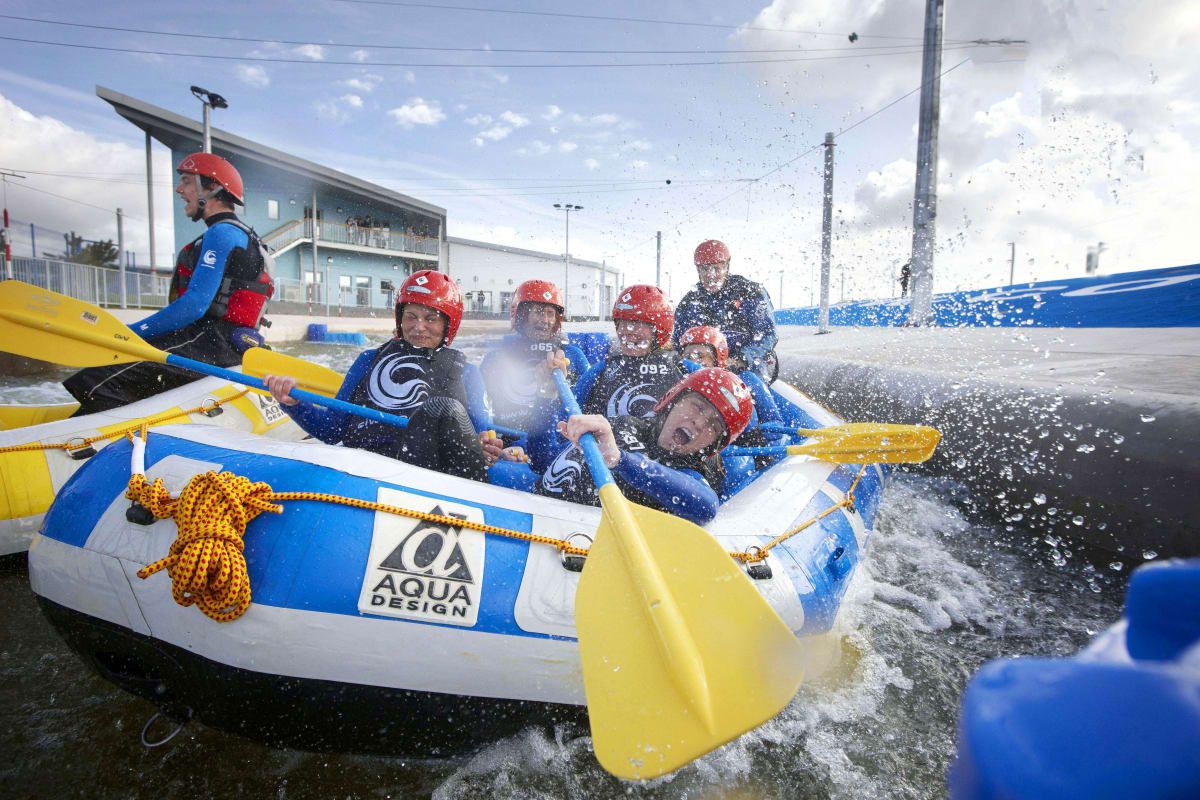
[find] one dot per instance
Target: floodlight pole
(568, 208)
(208, 100)
(925, 194)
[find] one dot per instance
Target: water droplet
(1147, 418)
(1057, 558)
(1052, 511)
(1077, 520)
(1040, 499)
(1085, 448)
(1149, 554)
(1118, 438)
(1116, 566)
(960, 462)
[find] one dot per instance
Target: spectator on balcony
(218, 292)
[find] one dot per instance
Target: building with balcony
(488, 274)
(326, 228)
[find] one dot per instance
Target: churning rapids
(942, 590)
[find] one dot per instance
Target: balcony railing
(341, 233)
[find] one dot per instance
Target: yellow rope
(205, 561)
(149, 422)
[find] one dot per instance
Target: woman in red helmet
(510, 369)
(416, 375)
(218, 292)
(637, 371)
(669, 460)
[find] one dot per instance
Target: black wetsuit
(620, 385)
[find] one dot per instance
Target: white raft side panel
(546, 599)
(84, 581)
(16, 534)
(807, 404)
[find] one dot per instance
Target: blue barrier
(318, 332)
(1160, 298)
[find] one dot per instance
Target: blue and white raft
(374, 632)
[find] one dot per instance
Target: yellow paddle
(259, 361)
(680, 652)
(854, 443)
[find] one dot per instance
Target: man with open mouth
(669, 461)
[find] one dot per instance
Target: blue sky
(1082, 136)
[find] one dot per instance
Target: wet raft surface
(938, 595)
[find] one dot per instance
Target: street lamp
(567, 208)
(208, 100)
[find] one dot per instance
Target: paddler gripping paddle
(854, 443)
(39, 323)
(680, 652)
(312, 377)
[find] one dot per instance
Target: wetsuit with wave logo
(618, 385)
(510, 374)
(422, 384)
(684, 485)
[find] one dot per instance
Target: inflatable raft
(373, 631)
(41, 447)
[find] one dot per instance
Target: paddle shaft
(674, 639)
(310, 398)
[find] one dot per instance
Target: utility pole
(826, 236)
(925, 194)
(1012, 262)
(7, 235)
(121, 255)
(658, 259)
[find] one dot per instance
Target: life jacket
(633, 384)
(510, 376)
(399, 381)
(246, 284)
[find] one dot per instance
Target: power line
(425, 65)
(378, 46)
(601, 18)
(92, 205)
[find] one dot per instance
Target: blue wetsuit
(509, 373)
(741, 310)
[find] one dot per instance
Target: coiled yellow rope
(205, 561)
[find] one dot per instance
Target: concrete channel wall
(1082, 433)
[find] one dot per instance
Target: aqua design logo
(423, 570)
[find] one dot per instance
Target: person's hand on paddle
(493, 447)
(281, 387)
(579, 424)
(553, 361)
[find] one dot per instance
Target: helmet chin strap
(201, 198)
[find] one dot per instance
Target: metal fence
(99, 285)
(291, 290)
(381, 238)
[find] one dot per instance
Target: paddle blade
(652, 711)
(258, 361)
(871, 443)
(38, 323)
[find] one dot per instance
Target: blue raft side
(311, 568)
(1067, 728)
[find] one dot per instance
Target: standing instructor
(733, 304)
(219, 289)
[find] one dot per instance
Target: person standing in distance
(219, 290)
(735, 305)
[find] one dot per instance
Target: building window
(272, 209)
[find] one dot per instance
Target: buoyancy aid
(400, 379)
(246, 283)
(633, 384)
(510, 375)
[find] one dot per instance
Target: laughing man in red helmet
(418, 375)
(218, 292)
(733, 304)
(669, 460)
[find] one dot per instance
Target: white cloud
(537, 148)
(496, 132)
(567, 147)
(313, 51)
(330, 111)
(364, 83)
(479, 120)
(417, 112)
(253, 76)
(638, 166)
(500, 77)
(359, 55)
(460, 107)
(410, 77)
(552, 113)
(591, 164)
(514, 119)
(352, 100)
(636, 144)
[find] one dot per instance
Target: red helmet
(645, 303)
(434, 289)
(536, 291)
(206, 165)
(707, 334)
(711, 252)
(728, 395)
